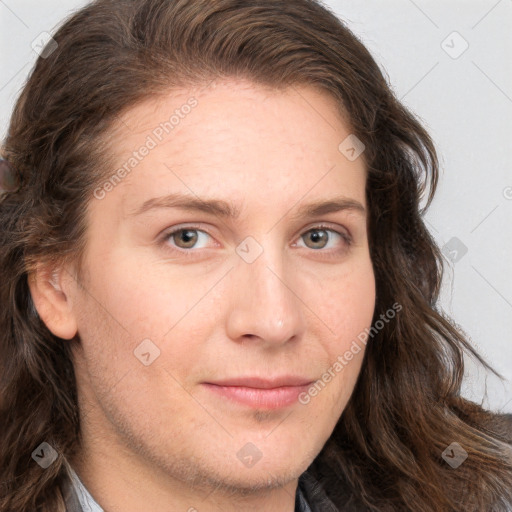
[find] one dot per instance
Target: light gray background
(465, 101)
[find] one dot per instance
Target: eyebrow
(224, 209)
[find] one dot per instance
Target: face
(177, 298)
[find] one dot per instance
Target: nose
(266, 304)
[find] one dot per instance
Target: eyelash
(190, 252)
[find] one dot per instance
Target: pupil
(317, 236)
(187, 236)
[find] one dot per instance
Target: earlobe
(53, 305)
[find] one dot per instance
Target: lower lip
(274, 398)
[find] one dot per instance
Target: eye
(186, 238)
(319, 237)
(316, 238)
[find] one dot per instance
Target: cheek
(135, 302)
(130, 308)
(143, 298)
(347, 304)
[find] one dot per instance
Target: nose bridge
(265, 304)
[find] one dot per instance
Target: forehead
(234, 138)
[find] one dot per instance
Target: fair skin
(155, 437)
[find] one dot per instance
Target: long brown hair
(406, 409)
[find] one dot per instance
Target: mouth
(261, 393)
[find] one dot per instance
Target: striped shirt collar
(82, 501)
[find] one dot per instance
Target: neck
(117, 483)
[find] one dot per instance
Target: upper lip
(258, 382)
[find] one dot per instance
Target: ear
(53, 305)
